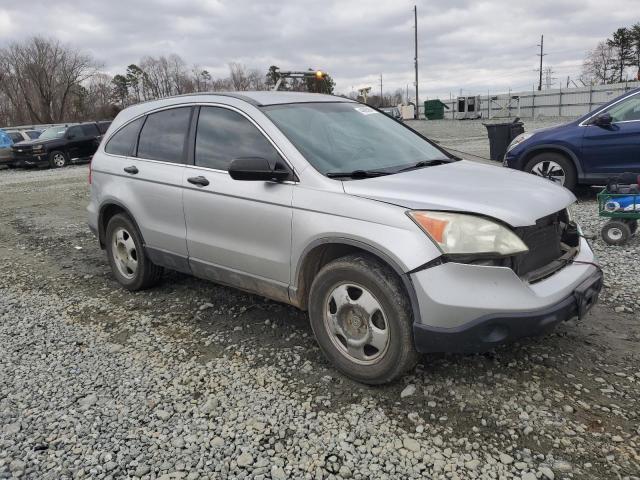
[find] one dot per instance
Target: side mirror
(603, 120)
(256, 169)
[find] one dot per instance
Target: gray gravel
(194, 380)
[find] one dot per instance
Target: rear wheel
(129, 264)
(616, 232)
(57, 159)
(555, 167)
(362, 319)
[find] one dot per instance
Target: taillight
(91, 161)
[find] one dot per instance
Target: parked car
(5, 148)
(103, 126)
(394, 246)
(23, 135)
(589, 150)
(58, 146)
(393, 112)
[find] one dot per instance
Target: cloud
(463, 44)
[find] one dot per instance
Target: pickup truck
(58, 146)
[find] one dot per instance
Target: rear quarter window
(124, 141)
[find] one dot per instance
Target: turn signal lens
(460, 233)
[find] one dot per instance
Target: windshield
(54, 132)
(343, 137)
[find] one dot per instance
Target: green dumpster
(434, 109)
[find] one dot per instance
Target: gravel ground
(195, 380)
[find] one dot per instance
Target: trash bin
(500, 136)
(434, 109)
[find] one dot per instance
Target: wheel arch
(322, 251)
(107, 210)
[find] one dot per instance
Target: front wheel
(616, 232)
(555, 167)
(361, 317)
(57, 159)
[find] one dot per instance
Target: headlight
(459, 233)
(519, 139)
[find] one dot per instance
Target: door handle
(132, 169)
(202, 181)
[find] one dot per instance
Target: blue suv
(600, 145)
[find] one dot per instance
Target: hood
(516, 198)
(36, 141)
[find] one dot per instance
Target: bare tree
(600, 65)
(41, 76)
(239, 77)
(256, 80)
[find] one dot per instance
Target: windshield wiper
(425, 163)
(357, 174)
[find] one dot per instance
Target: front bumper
(22, 160)
(471, 308)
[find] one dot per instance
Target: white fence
(570, 102)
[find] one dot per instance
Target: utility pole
(381, 97)
(541, 54)
(415, 19)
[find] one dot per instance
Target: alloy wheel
(59, 160)
(549, 170)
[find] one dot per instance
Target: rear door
(146, 160)
(613, 149)
(91, 140)
(238, 232)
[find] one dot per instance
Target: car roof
(256, 98)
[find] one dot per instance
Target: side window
(33, 134)
(75, 132)
(224, 135)
(164, 135)
(124, 141)
(90, 130)
(626, 110)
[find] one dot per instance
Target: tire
(547, 163)
(616, 232)
(58, 159)
(339, 295)
(633, 226)
(129, 264)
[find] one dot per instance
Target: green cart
(623, 211)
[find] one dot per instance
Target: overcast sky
(463, 44)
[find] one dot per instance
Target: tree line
(45, 81)
(615, 59)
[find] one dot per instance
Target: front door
(613, 149)
(238, 232)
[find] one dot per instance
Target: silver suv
(394, 246)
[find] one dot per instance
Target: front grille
(547, 243)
